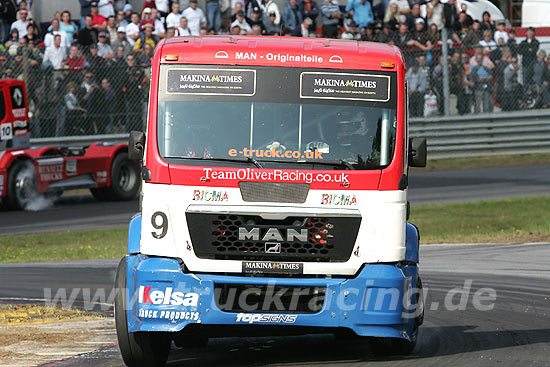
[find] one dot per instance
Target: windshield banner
(211, 82)
(363, 87)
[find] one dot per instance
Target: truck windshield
(276, 115)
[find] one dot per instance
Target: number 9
(163, 226)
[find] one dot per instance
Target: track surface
(84, 212)
(515, 333)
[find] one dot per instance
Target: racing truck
(28, 173)
(274, 197)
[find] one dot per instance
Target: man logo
(336, 59)
(221, 55)
(272, 248)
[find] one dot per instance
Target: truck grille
(268, 298)
(295, 238)
(274, 192)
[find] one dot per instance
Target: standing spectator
(435, 14)
(463, 26)
(87, 35)
(468, 85)
(144, 58)
(414, 15)
(430, 104)
(539, 74)
(419, 37)
(8, 15)
(309, 9)
(487, 42)
(512, 43)
(487, 24)
(393, 17)
(255, 19)
(500, 65)
(195, 17)
(85, 10)
(241, 22)
(268, 7)
(103, 48)
(474, 35)
(120, 19)
(107, 98)
(122, 41)
(75, 61)
(106, 8)
(386, 35)
(501, 33)
(163, 8)
(159, 30)
(368, 35)
(74, 113)
(361, 11)
(146, 36)
(271, 27)
(292, 18)
(97, 63)
(451, 12)
(151, 4)
(49, 37)
(146, 18)
(512, 88)
(331, 18)
(213, 15)
(170, 33)
(133, 94)
(21, 23)
(128, 10)
(99, 22)
(55, 54)
(183, 30)
(417, 80)
(132, 29)
(482, 79)
(352, 33)
(173, 19)
(111, 29)
(90, 93)
(403, 38)
(403, 5)
(68, 26)
(528, 49)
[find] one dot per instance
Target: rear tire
(139, 349)
(21, 185)
(125, 180)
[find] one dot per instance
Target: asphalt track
(516, 332)
(84, 212)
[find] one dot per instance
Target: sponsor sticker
(230, 82)
(250, 318)
(275, 153)
(338, 199)
(6, 131)
(17, 124)
(265, 267)
(207, 195)
(345, 86)
(18, 112)
(50, 172)
(168, 315)
(70, 167)
(167, 297)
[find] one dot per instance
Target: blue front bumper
(377, 302)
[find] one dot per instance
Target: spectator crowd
(94, 72)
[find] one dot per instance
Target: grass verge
(60, 246)
(485, 162)
(506, 220)
(523, 219)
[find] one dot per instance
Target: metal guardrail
(80, 140)
(465, 136)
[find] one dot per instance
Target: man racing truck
(274, 198)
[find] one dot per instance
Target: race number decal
(6, 131)
(228, 82)
(159, 221)
(363, 87)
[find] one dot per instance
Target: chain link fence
(91, 95)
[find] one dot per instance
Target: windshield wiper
(224, 159)
(337, 163)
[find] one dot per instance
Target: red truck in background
(28, 172)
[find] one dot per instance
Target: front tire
(397, 346)
(21, 185)
(139, 349)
